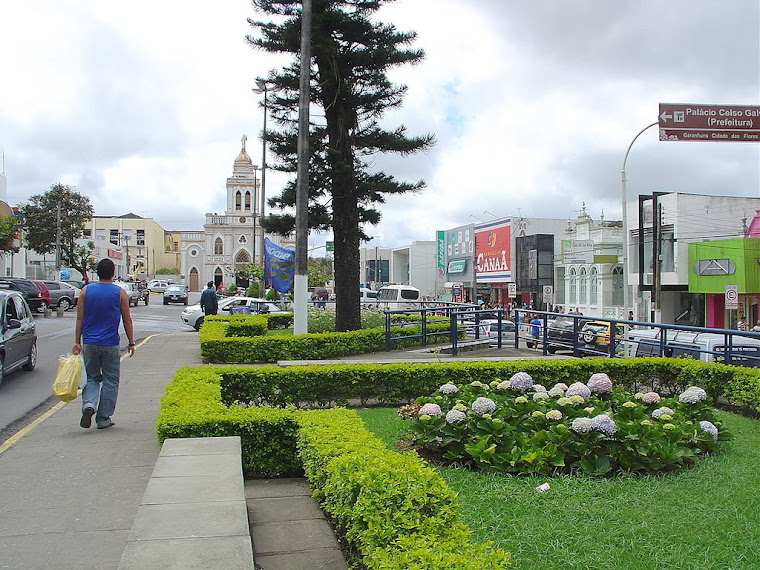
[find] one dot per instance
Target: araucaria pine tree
(351, 55)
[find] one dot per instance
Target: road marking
(11, 441)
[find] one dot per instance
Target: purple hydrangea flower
(431, 410)
(710, 428)
(663, 411)
(701, 394)
(582, 425)
(604, 424)
(521, 381)
(579, 389)
(650, 398)
(483, 406)
(599, 383)
(688, 397)
(539, 388)
(448, 388)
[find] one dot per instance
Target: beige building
(147, 246)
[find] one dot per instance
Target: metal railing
(429, 313)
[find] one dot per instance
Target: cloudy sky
(141, 105)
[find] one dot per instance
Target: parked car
(193, 315)
(704, 346)
(559, 334)
(594, 337)
(29, 291)
(132, 292)
(42, 288)
(62, 295)
(176, 294)
(18, 335)
(507, 330)
(75, 282)
(157, 285)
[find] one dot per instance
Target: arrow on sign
(665, 117)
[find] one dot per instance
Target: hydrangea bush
(516, 426)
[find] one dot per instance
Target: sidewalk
(69, 496)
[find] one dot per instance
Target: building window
(237, 200)
(140, 237)
(100, 234)
(87, 233)
(114, 236)
(594, 300)
(242, 239)
(617, 286)
(218, 247)
(193, 252)
(573, 287)
(583, 294)
(247, 200)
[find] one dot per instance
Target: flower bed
(517, 426)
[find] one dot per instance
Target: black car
(18, 335)
(559, 334)
(29, 291)
(176, 294)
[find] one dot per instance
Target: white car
(193, 315)
(158, 286)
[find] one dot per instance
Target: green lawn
(707, 517)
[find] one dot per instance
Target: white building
(415, 265)
(228, 240)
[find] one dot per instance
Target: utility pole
(301, 281)
(58, 240)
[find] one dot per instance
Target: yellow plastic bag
(67, 378)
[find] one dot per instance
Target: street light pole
(623, 198)
(262, 88)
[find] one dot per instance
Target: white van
(704, 346)
(398, 297)
(367, 296)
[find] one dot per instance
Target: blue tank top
(102, 314)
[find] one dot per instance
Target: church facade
(228, 241)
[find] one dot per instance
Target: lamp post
(623, 198)
(262, 88)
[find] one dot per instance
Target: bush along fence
(240, 341)
(394, 511)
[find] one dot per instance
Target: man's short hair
(210, 284)
(105, 269)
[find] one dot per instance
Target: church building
(228, 241)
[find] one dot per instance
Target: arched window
(594, 300)
(573, 287)
(247, 200)
(617, 286)
(218, 247)
(242, 257)
(237, 200)
(583, 289)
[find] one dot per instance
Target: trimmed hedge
(219, 345)
(396, 383)
(394, 511)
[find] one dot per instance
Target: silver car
(193, 315)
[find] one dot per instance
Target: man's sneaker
(108, 425)
(86, 420)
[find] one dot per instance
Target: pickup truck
(132, 292)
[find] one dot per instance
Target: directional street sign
(692, 122)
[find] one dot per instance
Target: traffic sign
(732, 297)
(329, 246)
(511, 290)
(548, 293)
(695, 122)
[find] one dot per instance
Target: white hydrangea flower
(588, 410)
(579, 389)
(561, 386)
(502, 386)
(576, 399)
(556, 392)
(553, 415)
(431, 410)
(710, 428)
(599, 383)
(650, 398)
(461, 407)
(701, 394)
(688, 397)
(604, 424)
(483, 406)
(455, 417)
(564, 401)
(448, 388)
(663, 411)
(521, 381)
(539, 388)
(539, 396)
(582, 425)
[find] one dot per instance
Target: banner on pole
(279, 266)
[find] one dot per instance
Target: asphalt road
(23, 395)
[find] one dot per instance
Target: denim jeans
(102, 366)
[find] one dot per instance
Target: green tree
(8, 229)
(319, 270)
(40, 223)
(351, 57)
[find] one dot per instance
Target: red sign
(113, 254)
(688, 122)
(492, 251)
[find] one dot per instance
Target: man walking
(101, 306)
(209, 302)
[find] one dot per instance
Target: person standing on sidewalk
(209, 302)
(101, 306)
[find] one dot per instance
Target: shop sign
(493, 251)
(456, 267)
